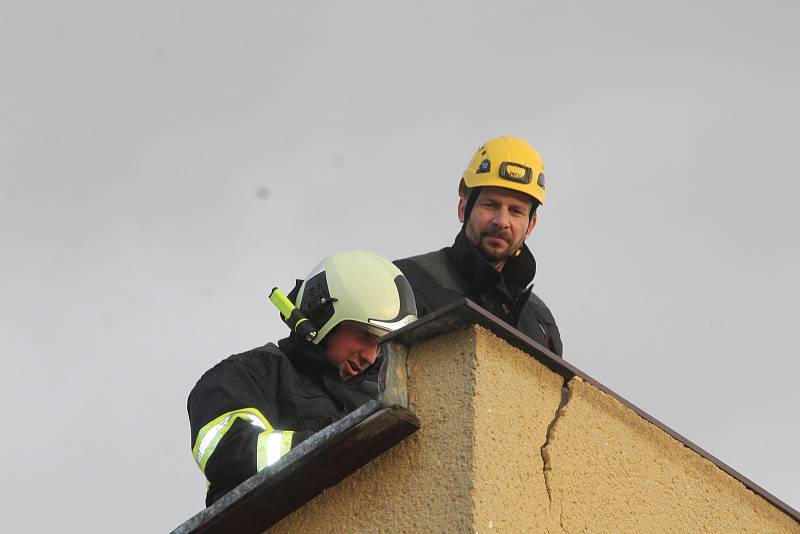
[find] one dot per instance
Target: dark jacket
(441, 277)
(286, 392)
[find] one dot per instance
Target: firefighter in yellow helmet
(489, 262)
(252, 408)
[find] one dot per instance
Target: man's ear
(462, 205)
(531, 225)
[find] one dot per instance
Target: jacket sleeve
(232, 412)
(429, 295)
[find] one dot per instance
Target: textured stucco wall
(612, 471)
(496, 454)
(516, 398)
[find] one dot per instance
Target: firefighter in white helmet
(252, 408)
(499, 194)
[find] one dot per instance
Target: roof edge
(464, 312)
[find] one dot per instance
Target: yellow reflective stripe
(271, 446)
(209, 436)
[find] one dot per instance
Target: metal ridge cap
(464, 312)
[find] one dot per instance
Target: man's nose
(501, 218)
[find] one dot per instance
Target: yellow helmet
(508, 162)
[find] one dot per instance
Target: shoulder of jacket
(435, 263)
(536, 300)
(264, 355)
(253, 361)
(538, 304)
(436, 255)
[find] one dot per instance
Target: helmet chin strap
(473, 198)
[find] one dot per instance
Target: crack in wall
(547, 465)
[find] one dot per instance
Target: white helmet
(357, 286)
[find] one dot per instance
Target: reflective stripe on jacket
(252, 408)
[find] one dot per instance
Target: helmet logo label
(515, 172)
(485, 166)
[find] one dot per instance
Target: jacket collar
(516, 276)
(306, 357)
(311, 359)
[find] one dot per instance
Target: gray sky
(164, 164)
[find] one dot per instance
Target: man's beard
(494, 254)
